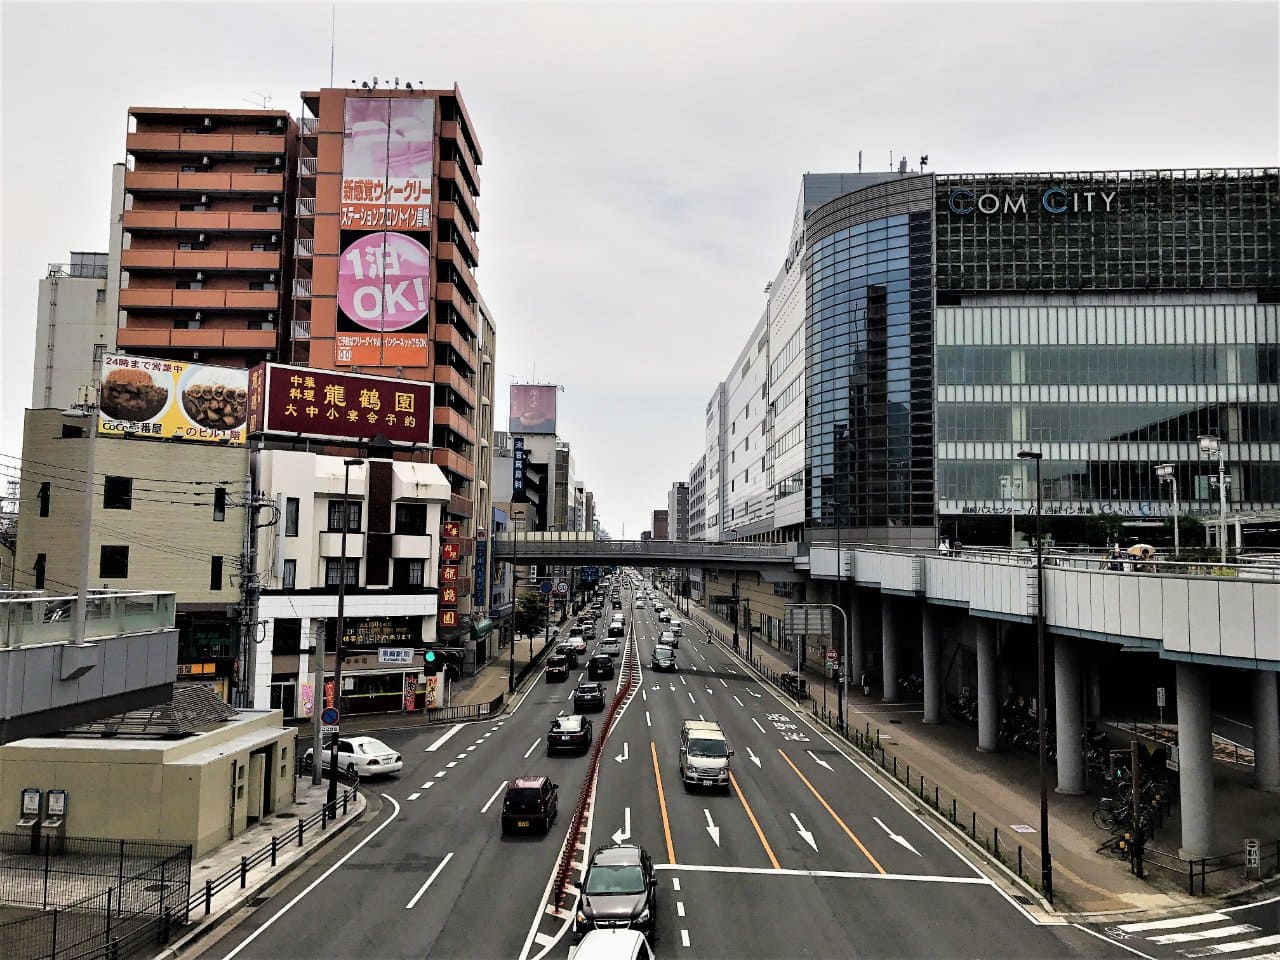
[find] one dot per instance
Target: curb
(205, 924)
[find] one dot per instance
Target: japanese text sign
(168, 400)
(450, 552)
(517, 466)
(388, 149)
(451, 529)
(448, 618)
(384, 286)
(325, 404)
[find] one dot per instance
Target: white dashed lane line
(691, 700)
(739, 702)
(680, 908)
(684, 938)
(441, 774)
(451, 764)
(413, 796)
(533, 748)
(757, 723)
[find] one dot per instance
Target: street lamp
(1046, 863)
(1165, 471)
(337, 640)
(80, 411)
(1211, 447)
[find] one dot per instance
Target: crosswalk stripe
(1235, 947)
(1174, 923)
(1213, 933)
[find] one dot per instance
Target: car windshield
(609, 880)
(708, 748)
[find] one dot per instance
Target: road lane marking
(752, 817)
(682, 683)
(818, 760)
(318, 880)
(413, 796)
(441, 774)
(470, 748)
(722, 682)
(1236, 947)
(834, 874)
(1115, 943)
(444, 738)
(805, 835)
(647, 721)
(896, 837)
(544, 939)
(451, 764)
(679, 908)
(691, 700)
(684, 938)
(738, 702)
(834, 816)
(1214, 933)
(752, 757)
(675, 884)
(430, 880)
(461, 756)
(489, 803)
(662, 803)
(533, 748)
(757, 723)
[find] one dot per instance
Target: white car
(360, 757)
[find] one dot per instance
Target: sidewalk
(289, 855)
(996, 795)
(492, 678)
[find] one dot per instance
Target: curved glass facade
(869, 378)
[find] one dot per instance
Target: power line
(65, 468)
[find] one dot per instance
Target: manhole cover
(282, 816)
(1024, 900)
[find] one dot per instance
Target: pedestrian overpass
(776, 562)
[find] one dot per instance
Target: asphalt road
(806, 855)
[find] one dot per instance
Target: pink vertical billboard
(388, 155)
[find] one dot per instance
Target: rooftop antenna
(924, 162)
(258, 99)
(859, 161)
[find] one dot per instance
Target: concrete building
(160, 521)
(698, 500)
(746, 512)
(678, 510)
(715, 464)
(661, 525)
(198, 772)
(392, 579)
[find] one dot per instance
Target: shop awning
(481, 629)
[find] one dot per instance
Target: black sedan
(557, 668)
(664, 658)
(569, 733)
(619, 890)
(588, 695)
(600, 667)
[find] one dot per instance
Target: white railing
(304, 247)
(306, 206)
(302, 289)
(306, 166)
(31, 620)
(309, 126)
(301, 330)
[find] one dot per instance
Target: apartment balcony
(447, 333)
(307, 166)
(137, 261)
(448, 210)
(449, 130)
(300, 329)
(331, 544)
(450, 252)
(306, 206)
(460, 506)
(202, 338)
(452, 461)
(309, 126)
(304, 247)
(143, 298)
(302, 289)
(406, 547)
(204, 221)
(171, 182)
(448, 377)
(448, 293)
(449, 171)
(455, 421)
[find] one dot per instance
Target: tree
(531, 614)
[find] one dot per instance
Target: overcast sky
(642, 161)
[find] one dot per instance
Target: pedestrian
(944, 547)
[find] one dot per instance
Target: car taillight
(374, 762)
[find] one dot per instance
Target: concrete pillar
(1095, 690)
(1266, 732)
(857, 660)
(931, 629)
(1068, 714)
(988, 694)
(889, 648)
(1195, 761)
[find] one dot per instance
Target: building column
(931, 629)
(1195, 761)
(1094, 673)
(857, 660)
(888, 649)
(1068, 714)
(988, 694)
(1266, 732)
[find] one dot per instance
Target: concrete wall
(177, 791)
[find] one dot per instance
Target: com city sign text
(1056, 200)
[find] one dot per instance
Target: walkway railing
(541, 546)
(30, 620)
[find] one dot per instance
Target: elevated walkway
(769, 559)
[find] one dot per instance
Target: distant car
(617, 629)
(362, 757)
(665, 616)
(579, 644)
(664, 658)
(619, 890)
(613, 943)
(588, 695)
(677, 628)
(600, 667)
(617, 604)
(570, 652)
(670, 639)
(530, 803)
(589, 631)
(571, 732)
(640, 605)
(557, 668)
(611, 646)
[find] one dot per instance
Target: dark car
(664, 658)
(557, 668)
(570, 653)
(589, 631)
(570, 732)
(600, 667)
(588, 695)
(530, 803)
(619, 890)
(617, 604)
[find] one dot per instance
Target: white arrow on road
(625, 754)
(896, 837)
(753, 693)
(806, 835)
(625, 832)
(711, 827)
(709, 690)
(818, 760)
(752, 757)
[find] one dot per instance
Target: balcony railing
(309, 126)
(306, 206)
(302, 289)
(306, 166)
(300, 330)
(304, 247)
(51, 619)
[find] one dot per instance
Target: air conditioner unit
(198, 317)
(275, 198)
(204, 161)
(200, 238)
(275, 238)
(279, 123)
(199, 274)
(204, 198)
(271, 316)
(278, 161)
(208, 122)
(272, 278)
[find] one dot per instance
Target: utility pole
(337, 640)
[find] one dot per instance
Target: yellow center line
(752, 817)
(662, 804)
(834, 816)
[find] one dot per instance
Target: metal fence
(466, 711)
(90, 898)
(1217, 872)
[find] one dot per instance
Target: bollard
(895, 768)
(922, 788)
(273, 851)
(164, 926)
(936, 804)
(953, 810)
(324, 817)
(244, 872)
(1019, 861)
(208, 897)
(995, 838)
(973, 827)
(300, 826)
(908, 776)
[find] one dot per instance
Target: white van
(612, 943)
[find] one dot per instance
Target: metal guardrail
(550, 545)
(28, 620)
(466, 711)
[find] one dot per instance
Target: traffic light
(432, 663)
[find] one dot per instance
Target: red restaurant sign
(328, 405)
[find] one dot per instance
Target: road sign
(1159, 696)
(803, 619)
(547, 587)
(328, 728)
(832, 655)
(329, 717)
(562, 587)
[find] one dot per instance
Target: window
(290, 579)
(333, 564)
(411, 519)
(38, 569)
(258, 247)
(99, 351)
(215, 573)
(43, 497)
(286, 636)
(113, 563)
(186, 245)
(101, 296)
(353, 516)
(291, 516)
(262, 285)
(117, 493)
(219, 504)
(193, 207)
(417, 571)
